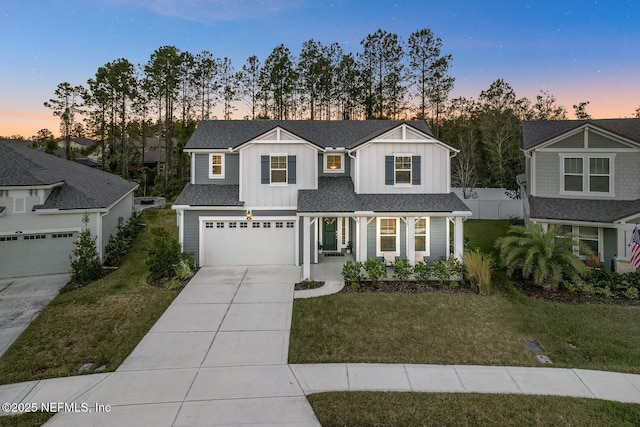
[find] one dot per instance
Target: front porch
(325, 240)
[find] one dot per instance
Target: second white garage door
(255, 242)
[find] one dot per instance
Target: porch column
(411, 239)
(362, 242)
(306, 251)
(458, 238)
(316, 238)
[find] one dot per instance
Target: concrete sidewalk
(469, 379)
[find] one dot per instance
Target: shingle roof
(81, 187)
(537, 132)
(336, 194)
(606, 211)
(209, 195)
(223, 134)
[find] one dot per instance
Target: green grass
(100, 323)
(30, 419)
(482, 233)
(464, 328)
(467, 410)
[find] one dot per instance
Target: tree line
(388, 78)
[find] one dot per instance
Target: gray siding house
(278, 192)
(585, 176)
(43, 199)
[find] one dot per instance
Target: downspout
(356, 184)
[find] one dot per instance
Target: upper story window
(402, 169)
(278, 169)
(333, 163)
(216, 165)
(587, 174)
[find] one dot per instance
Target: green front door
(329, 234)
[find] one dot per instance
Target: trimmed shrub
(376, 270)
(352, 273)
(402, 269)
(164, 255)
(422, 272)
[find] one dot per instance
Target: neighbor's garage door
(35, 254)
(254, 242)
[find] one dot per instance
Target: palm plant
(547, 257)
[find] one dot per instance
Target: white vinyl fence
(491, 203)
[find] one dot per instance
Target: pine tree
(85, 261)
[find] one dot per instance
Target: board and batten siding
(254, 193)
(231, 169)
(438, 237)
(434, 168)
(626, 175)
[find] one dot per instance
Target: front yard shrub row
(120, 244)
(449, 272)
(608, 284)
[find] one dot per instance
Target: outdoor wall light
(248, 215)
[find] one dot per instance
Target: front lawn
(464, 328)
(466, 409)
(97, 325)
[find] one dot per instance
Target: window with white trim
(388, 235)
(402, 169)
(278, 169)
(599, 175)
(586, 174)
(573, 174)
(590, 237)
(216, 165)
(333, 163)
(421, 235)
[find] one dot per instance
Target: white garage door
(35, 254)
(255, 242)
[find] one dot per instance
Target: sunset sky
(579, 50)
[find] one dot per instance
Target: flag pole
(634, 230)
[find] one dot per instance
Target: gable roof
(224, 134)
(540, 131)
(78, 186)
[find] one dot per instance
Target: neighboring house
(42, 202)
(585, 175)
(75, 156)
(276, 192)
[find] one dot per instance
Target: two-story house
(585, 176)
(43, 199)
(278, 192)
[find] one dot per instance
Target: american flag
(635, 248)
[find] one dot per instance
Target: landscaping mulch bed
(308, 284)
(391, 286)
(566, 297)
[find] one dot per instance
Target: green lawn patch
(29, 419)
(96, 325)
(466, 409)
(482, 233)
(463, 329)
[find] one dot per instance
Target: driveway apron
(217, 356)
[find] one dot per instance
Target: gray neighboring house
(279, 192)
(585, 176)
(42, 201)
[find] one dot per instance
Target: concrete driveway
(21, 300)
(217, 356)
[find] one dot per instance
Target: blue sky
(578, 50)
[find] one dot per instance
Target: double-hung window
(587, 174)
(388, 236)
(402, 169)
(278, 169)
(421, 235)
(216, 166)
(333, 163)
